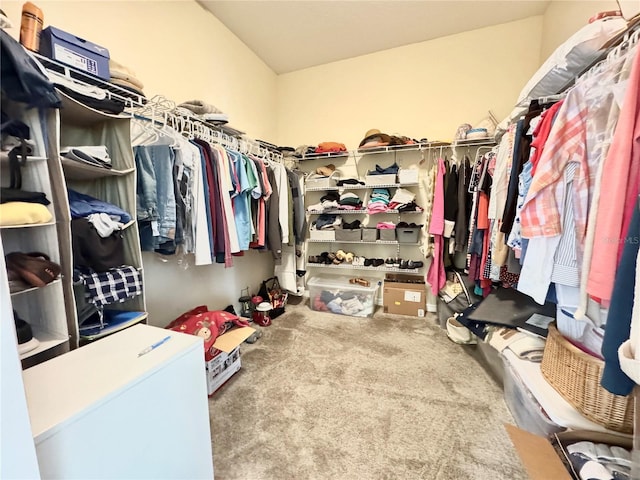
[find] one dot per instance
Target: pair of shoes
(358, 261)
(373, 262)
(34, 268)
(360, 281)
(26, 340)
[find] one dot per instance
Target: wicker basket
(576, 376)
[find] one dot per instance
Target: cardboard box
(404, 295)
(75, 51)
(543, 461)
(227, 361)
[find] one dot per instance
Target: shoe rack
(45, 308)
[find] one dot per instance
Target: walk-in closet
(320, 239)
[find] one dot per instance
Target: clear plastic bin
(337, 294)
(526, 410)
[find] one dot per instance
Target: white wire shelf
(112, 91)
(377, 242)
(4, 158)
(361, 187)
(375, 150)
(361, 267)
(488, 142)
(358, 212)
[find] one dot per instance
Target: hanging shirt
(620, 179)
(241, 202)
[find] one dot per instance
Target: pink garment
(620, 181)
(436, 276)
(386, 226)
(376, 207)
(436, 227)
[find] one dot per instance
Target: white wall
(180, 50)
(565, 17)
(421, 90)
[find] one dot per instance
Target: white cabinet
(102, 411)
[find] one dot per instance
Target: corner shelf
(377, 242)
(33, 289)
(361, 267)
(74, 170)
(28, 225)
(361, 187)
(46, 341)
(109, 329)
(360, 212)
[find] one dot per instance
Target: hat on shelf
(374, 138)
(327, 170)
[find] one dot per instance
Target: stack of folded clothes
(379, 201)
(355, 225)
(350, 201)
(125, 77)
(206, 112)
(330, 147)
(375, 138)
(329, 201)
(97, 155)
(401, 197)
(391, 170)
(327, 222)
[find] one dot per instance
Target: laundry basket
(576, 377)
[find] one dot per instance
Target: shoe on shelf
(34, 268)
(377, 262)
(26, 341)
(368, 262)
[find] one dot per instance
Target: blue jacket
(618, 326)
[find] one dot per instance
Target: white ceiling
(291, 35)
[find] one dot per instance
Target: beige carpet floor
(324, 396)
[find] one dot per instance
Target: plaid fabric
(113, 286)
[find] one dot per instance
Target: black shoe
(377, 262)
(368, 262)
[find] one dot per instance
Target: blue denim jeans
(156, 201)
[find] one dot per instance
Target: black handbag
(272, 292)
(463, 296)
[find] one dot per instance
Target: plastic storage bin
(369, 234)
(346, 235)
(337, 295)
(387, 235)
(386, 179)
(325, 235)
(526, 410)
(407, 235)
